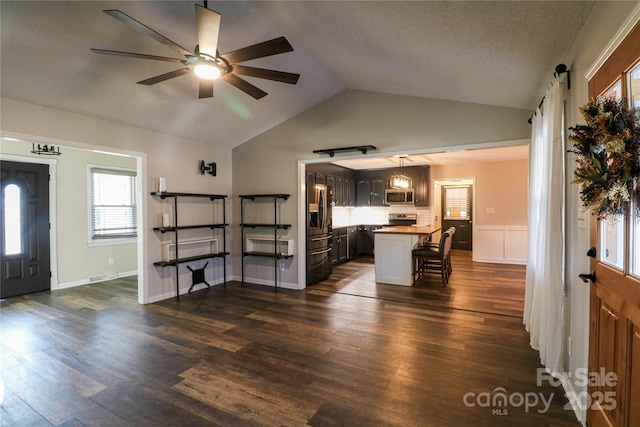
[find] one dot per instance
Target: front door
(24, 228)
(614, 335)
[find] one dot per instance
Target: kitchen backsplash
(343, 217)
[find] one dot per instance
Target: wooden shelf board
(252, 225)
(175, 262)
(164, 194)
(187, 227)
(267, 255)
(270, 196)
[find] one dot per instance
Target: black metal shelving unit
(275, 225)
(175, 262)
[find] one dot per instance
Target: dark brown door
(456, 212)
(24, 228)
(614, 313)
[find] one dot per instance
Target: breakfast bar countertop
(407, 229)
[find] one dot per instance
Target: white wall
(392, 123)
(501, 194)
(605, 21)
(175, 158)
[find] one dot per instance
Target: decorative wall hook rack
(47, 150)
(332, 151)
(208, 167)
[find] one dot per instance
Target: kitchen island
(393, 246)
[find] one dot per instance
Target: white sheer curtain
(544, 294)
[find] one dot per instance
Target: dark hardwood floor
(345, 352)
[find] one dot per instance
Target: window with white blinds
(113, 204)
(457, 202)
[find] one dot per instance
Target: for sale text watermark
(499, 400)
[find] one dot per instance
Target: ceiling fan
(205, 61)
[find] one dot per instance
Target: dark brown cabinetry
(340, 179)
(349, 190)
(366, 241)
(370, 188)
(366, 187)
(352, 242)
(420, 178)
(339, 250)
(363, 191)
(331, 182)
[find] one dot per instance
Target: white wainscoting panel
(502, 244)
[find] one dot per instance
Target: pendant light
(399, 180)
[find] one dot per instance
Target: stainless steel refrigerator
(319, 232)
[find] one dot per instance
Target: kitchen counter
(393, 258)
(408, 229)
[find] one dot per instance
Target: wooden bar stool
(427, 259)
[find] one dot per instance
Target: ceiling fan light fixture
(207, 71)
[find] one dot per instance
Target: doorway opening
(74, 260)
(453, 207)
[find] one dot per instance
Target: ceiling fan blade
(136, 55)
(279, 76)
(244, 86)
(260, 50)
(206, 89)
(138, 26)
(208, 23)
(163, 77)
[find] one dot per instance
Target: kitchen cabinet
(363, 192)
(349, 192)
(420, 177)
(370, 191)
(331, 182)
(365, 240)
(378, 185)
(366, 244)
(311, 177)
(338, 191)
(340, 179)
(352, 242)
(339, 248)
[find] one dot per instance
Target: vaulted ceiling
(495, 53)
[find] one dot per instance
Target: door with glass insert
(24, 228)
(613, 398)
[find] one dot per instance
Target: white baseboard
(284, 285)
(572, 395)
(93, 279)
(183, 290)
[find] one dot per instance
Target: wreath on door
(608, 157)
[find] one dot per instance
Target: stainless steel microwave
(397, 196)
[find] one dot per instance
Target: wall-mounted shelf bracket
(332, 151)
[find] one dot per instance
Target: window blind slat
(457, 202)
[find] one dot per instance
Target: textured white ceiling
(496, 53)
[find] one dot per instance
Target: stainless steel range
(403, 218)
